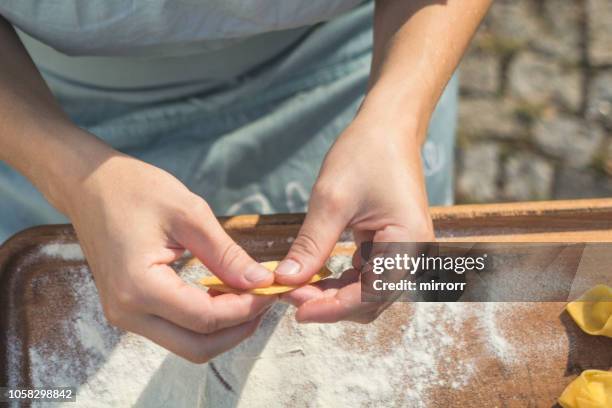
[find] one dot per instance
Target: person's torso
(160, 28)
(152, 50)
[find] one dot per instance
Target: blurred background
(535, 117)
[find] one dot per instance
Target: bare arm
(417, 47)
(132, 220)
(36, 137)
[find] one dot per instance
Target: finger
(200, 232)
(168, 296)
(306, 293)
(323, 225)
(301, 295)
(345, 304)
(195, 347)
(401, 233)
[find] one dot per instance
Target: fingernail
(257, 273)
(288, 267)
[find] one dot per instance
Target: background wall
(536, 103)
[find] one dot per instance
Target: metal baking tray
(37, 296)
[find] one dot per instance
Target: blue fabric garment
(154, 28)
(254, 146)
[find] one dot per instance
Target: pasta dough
(593, 311)
(592, 389)
(212, 282)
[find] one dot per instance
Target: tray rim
(440, 215)
(32, 237)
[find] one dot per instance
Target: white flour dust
(401, 360)
(66, 252)
(346, 364)
(109, 367)
(496, 340)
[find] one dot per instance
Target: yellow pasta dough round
(593, 311)
(592, 389)
(212, 282)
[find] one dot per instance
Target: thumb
(199, 231)
(314, 243)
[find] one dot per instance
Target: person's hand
(372, 182)
(133, 220)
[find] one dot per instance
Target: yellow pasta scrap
(212, 282)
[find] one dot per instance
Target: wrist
(69, 159)
(403, 115)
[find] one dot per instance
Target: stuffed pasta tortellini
(593, 311)
(592, 389)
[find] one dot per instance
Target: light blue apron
(255, 146)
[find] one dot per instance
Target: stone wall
(535, 117)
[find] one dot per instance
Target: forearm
(36, 137)
(417, 47)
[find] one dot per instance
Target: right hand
(133, 220)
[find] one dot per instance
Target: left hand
(371, 181)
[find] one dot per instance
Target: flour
(14, 353)
(332, 371)
(349, 364)
(496, 340)
(402, 359)
(109, 367)
(338, 264)
(66, 252)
